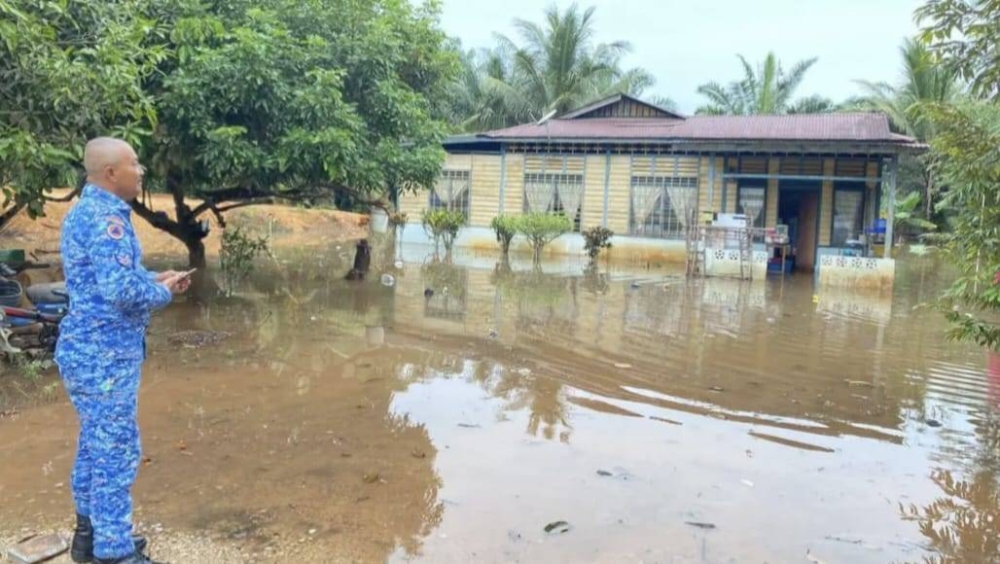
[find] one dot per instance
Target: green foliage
(540, 229)
(907, 219)
(69, 71)
(237, 255)
(443, 226)
(966, 155)
(595, 239)
(766, 89)
(555, 66)
(237, 101)
(505, 227)
(965, 34)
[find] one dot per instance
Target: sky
(687, 43)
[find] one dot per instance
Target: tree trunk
(196, 253)
(928, 198)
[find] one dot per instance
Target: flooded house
(817, 189)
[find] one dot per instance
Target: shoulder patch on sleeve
(115, 219)
(116, 230)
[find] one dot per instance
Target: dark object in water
(933, 423)
(362, 261)
(707, 526)
(428, 293)
(558, 527)
(604, 473)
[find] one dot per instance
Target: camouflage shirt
(111, 293)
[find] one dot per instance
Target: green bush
(237, 255)
(505, 227)
(595, 239)
(443, 226)
(540, 229)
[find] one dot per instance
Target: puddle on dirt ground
(457, 414)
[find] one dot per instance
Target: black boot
(82, 549)
(137, 558)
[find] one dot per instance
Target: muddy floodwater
(459, 412)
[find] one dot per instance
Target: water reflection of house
(680, 341)
(641, 171)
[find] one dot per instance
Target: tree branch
(159, 220)
(76, 192)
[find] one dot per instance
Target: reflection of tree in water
(520, 390)
(523, 390)
(449, 286)
(964, 524)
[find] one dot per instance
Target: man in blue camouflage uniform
(101, 348)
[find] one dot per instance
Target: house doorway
(798, 208)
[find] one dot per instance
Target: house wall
(497, 182)
(595, 178)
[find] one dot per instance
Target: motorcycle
(34, 328)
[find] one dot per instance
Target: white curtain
(450, 189)
(442, 190)
(682, 201)
(644, 200)
(539, 195)
(753, 203)
(571, 196)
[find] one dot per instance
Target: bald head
(103, 152)
(113, 165)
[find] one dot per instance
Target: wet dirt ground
(663, 420)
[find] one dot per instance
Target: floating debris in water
(524, 371)
(604, 473)
(933, 423)
(747, 483)
(398, 264)
(557, 527)
(388, 280)
(622, 365)
(717, 389)
(494, 334)
(428, 293)
(635, 285)
(707, 526)
(468, 425)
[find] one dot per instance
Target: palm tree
(555, 67)
(767, 89)
(925, 83)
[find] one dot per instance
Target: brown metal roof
(856, 127)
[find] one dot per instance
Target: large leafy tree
(966, 35)
(291, 99)
(967, 158)
(68, 71)
(230, 103)
(925, 83)
(765, 89)
(553, 66)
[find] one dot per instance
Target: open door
(808, 222)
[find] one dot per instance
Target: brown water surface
(664, 420)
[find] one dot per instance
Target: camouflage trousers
(108, 450)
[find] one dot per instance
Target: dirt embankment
(287, 227)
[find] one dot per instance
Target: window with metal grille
(550, 193)
(751, 203)
(848, 216)
(452, 192)
(662, 206)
